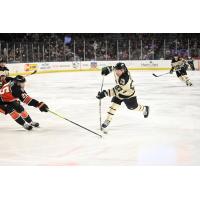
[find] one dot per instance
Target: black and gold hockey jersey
(124, 88)
(179, 63)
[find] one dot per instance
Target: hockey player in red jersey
(11, 94)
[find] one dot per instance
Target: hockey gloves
(102, 94)
(106, 70)
(43, 107)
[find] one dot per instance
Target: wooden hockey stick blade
(154, 75)
(34, 72)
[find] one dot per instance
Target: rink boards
(51, 67)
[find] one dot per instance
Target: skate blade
(104, 130)
(35, 126)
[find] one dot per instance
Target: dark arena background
(69, 133)
(24, 48)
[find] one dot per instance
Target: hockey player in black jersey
(10, 96)
(124, 91)
(191, 63)
(178, 64)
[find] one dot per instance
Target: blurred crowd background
(43, 47)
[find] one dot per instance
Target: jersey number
(118, 88)
(131, 85)
(4, 90)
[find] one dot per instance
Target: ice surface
(170, 136)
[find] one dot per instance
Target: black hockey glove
(43, 107)
(171, 71)
(3, 109)
(106, 70)
(102, 94)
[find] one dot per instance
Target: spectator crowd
(36, 47)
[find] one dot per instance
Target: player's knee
(117, 101)
(9, 109)
(132, 107)
(24, 114)
(19, 109)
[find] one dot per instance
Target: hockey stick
(160, 74)
(100, 104)
(74, 123)
(34, 72)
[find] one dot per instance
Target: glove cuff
(105, 93)
(40, 105)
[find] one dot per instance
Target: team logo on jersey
(122, 81)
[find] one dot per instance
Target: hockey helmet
(120, 65)
(20, 79)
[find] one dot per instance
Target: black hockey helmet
(20, 79)
(120, 65)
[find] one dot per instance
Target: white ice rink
(170, 136)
